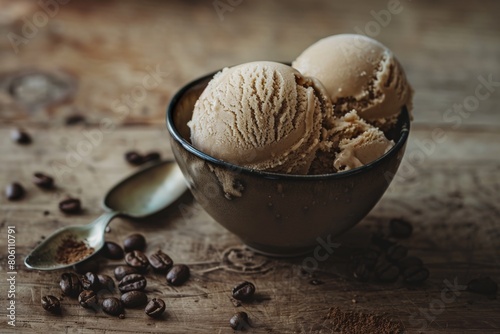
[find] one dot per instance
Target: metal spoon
(142, 194)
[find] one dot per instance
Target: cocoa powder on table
(71, 250)
(361, 323)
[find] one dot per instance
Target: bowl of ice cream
(271, 156)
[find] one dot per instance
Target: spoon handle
(104, 219)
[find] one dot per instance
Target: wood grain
(449, 189)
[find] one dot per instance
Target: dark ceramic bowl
(278, 214)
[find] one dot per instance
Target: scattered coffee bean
(244, 291)
(88, 299)
(74, 119)
(155, 308)
(132, 282)
(361, 272)
(160, 261)
(134, 158)
(70, 284)
(121, 316)
(387, 272)
(239, 321)
(14, 191)
(178, 274)
(400, 228)
(112, 251)
(133, 299)
(20, 136)
(112, 306)
(396, 253)
(89, 265)
(381, 242)
(106, 283)
(51, 303)
(152, 156)
(70, 205)
(43, 181)
(137, 259)
(408, 262)
(483, 285)
(122, 271)
(416, 275)
(134, 242)
(90, 281)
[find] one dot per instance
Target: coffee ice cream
(358, 73)
(326, 114)
(261, 115)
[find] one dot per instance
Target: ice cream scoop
(358, 73)
(261, 115)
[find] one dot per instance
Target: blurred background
(108, 47)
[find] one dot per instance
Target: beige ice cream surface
(261, 115)
(358, 73)
(351, 142)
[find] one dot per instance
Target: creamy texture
(359, 142)
(262, 115)
(325, 115)
(358, 73)
(350, 142)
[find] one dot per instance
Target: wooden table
(104, 56)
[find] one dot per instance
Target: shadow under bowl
(279, 214)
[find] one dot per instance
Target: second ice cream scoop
(358, 73)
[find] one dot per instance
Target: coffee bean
(122, 271)
(88, 299)
(396, 253)
(155, 308)
(20, 136)
(483, 285)
(51, 304)
(400, 228)
(361, 272)
(381, 242)
(134, 158)
(160, 261)
(70, 205)
(70, 284)
(89, 265)
(112, 306)
(74, 119)
(416, 275)
(43, 181)
(133, 299)
(132, 282)
(90, 281)
(134, 242)
(152, 156)
(137, 259)
(239, 321)
(178, 274)
(387, 272)
(409, 261)
(14, 191)
(244, 291)
(112, 251)
(106, 283)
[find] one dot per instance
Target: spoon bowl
(142, 194)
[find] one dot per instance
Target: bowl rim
(404, 117)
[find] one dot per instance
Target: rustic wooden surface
(449, 190)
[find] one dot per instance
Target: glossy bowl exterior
(278, 214)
